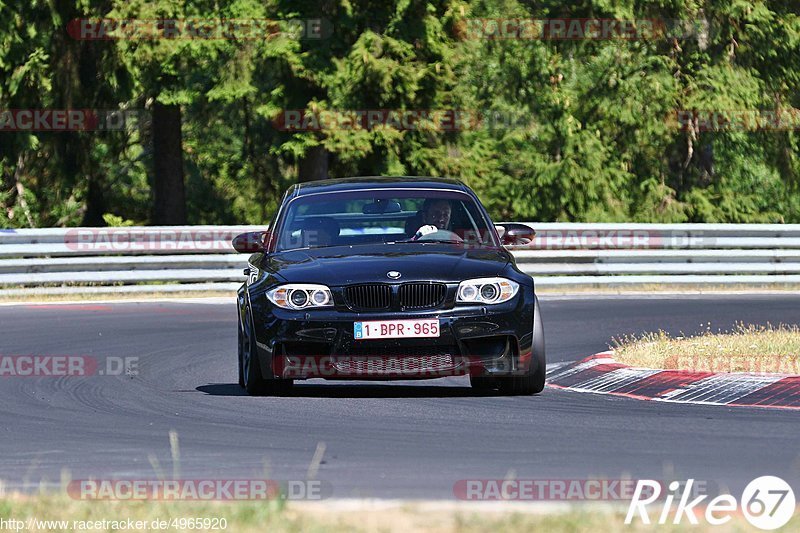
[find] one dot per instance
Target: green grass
(245, 517)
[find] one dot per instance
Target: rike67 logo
(767, 502)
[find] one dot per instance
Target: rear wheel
(252, 380)
(532, 382)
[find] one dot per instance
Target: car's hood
(342, 265)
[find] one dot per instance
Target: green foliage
(573, 130)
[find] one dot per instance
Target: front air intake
(371, 297)
(422, 295)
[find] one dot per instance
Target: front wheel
(252, 380)
(532, 382)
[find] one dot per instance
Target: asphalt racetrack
(386, 440)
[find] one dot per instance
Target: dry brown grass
(748, 348)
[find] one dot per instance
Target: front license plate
(396, 329)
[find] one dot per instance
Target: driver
(436, 213)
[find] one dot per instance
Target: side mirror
(250, 242)
(515, 234)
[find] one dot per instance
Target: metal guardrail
(563, 254)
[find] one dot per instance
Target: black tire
(254, 382)
(532, 382)
(239, 357)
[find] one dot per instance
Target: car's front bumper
(476, 339)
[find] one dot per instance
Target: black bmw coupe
(387, 278)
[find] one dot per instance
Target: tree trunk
(95, 202)
(314, 164)
(169, 197)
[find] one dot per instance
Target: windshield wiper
(421, 241)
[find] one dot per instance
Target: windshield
(385, 216)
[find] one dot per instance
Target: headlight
(300, 296)
(486, 290)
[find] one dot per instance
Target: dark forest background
(594, 135)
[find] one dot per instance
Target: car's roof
(376, 182)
